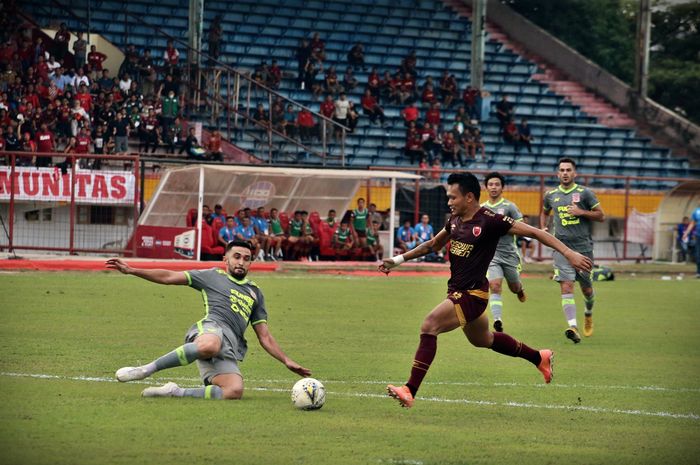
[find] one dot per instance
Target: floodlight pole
(641, 65)
(478, 38)
(200, 202)
(390, 252)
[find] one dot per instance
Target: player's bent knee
(232, 393)
(495, 287)
(208, 347)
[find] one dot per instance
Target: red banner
(48, 184)
(165, 242)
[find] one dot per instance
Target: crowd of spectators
(55, 101)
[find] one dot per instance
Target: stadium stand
(258, 30)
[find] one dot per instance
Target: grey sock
(208, 392)
(183, 355)
(568, 304)
(589, 304)
(496, 304)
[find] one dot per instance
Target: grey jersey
(506, 251)
(573, 231)
(230, 302)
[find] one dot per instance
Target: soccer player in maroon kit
(474, 233)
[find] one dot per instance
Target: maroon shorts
(469, 305)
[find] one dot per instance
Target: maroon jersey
(472, 246)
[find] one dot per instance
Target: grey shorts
(501, 270)
(563, 271)
(224, 362)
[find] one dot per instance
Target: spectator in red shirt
(85, 99)
(215, 152)
(374, 82)
(448, 89)
(410, 113)
(371, 108)
(414, 148)
(96, 58)
(83, 141)
(331, 84)
(328, 110)
(274, 76)
(389, 88)
(42, 69)
(45, 142)
(450, 150)
(469, 97)
(318, 48)
(429, 138)
(510, 132)
(407, 91)
(428, 96)
(306, 124)
(433, 116)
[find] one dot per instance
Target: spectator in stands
(371, 108)
(171, 109)
(407, 89)
(342, 106)
(427, 98)
(328, 110)
(342, 237)
(261, 75)
(146, 71)
(306, 124)
(96, 59)
(214, 150)
(228, 232)
(429, 139)
(450, 150)
(171, 58)
(45, 143)
(131, 61)
(434, 117)
(125, 84)
(318, 48)
(524, 136)
(261, 116)
(356, 56)
(414, 148)
(448, 88)
(408, 64)
(313, 68)
(168, 85)
(192, 148)
(61, 40)
(303, 55)
(374, 83)
(99, 146)
(149, 132)
(353, 117)
(510, 133)
(476, 143)
(79, 50)
(218, 214)
(349, 80)
(80, 79)
(504, 113)
(106, 83)
(83, 142)
(331, 85)
(277, 235)
(389, 88)
(406, 237)
(274, 75)
(289, 122)
(410, 114)
(79, 117)
(216, 32)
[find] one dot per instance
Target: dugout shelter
(163, 230)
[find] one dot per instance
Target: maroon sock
(424, 357)
(504, 344)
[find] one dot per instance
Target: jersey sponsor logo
(476, 230)
(461, 249)
(576, 197)
(501, 211)
(565, 217)
(556, 199)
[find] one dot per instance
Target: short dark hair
(331, 210)
(566, 160)
(495, 174)
(229, 217)
(238, 243)
(467, 183)
(218, 205)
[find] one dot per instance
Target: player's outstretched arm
(271, 347)
(433, 245)
(577, 260)
(156, 276)
(544, 219)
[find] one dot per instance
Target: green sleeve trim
(258, 322)
(189, 278)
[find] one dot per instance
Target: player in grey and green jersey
(216, 342)
(574, 207)
(506, 262)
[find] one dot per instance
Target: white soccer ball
(308, 394)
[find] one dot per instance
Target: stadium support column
(196, 20)
(641, 62)
(200, 204)
(478, 36)
(392, 223)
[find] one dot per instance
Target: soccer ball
(308, 394)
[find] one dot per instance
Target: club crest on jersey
(476, 230)
(576, 197)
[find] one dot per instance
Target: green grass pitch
(628, 395)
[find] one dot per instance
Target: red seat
(211, 249)
(284, 220)
(191, 218)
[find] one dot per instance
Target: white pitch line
(527, 405)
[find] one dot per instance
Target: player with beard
(216, 342)
(473, 232)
